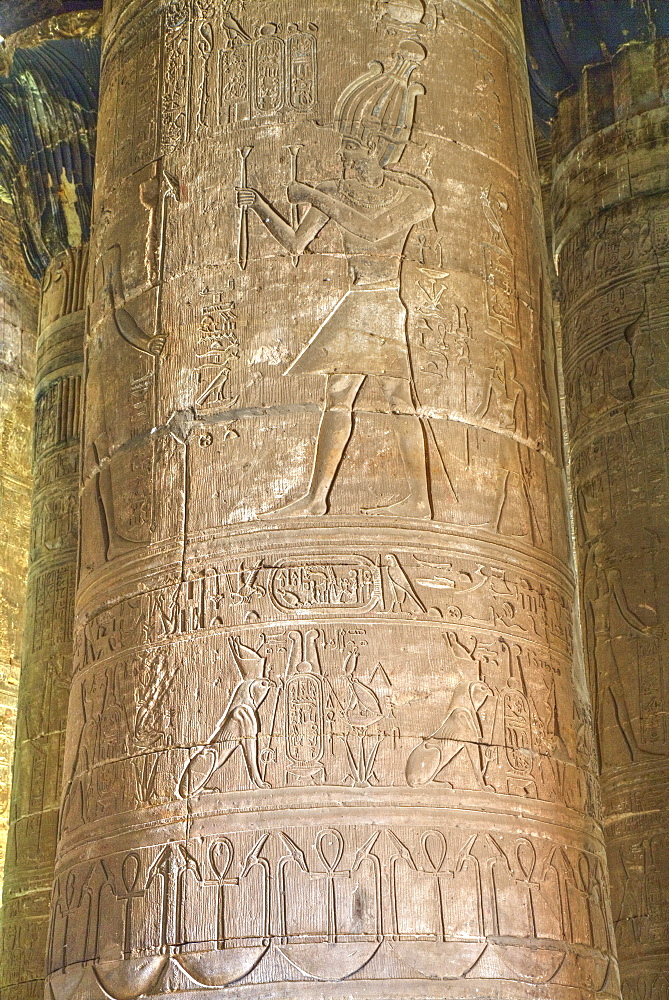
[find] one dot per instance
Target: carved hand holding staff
(294, 207)
(243, 246)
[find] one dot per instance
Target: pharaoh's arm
(418, 205)
(295, 241)
(590, 595)
(131, 332)
(632, 619)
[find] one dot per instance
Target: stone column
(611, 218)
(52, 145)
(326, 735)
(47, 653)
(18, 325)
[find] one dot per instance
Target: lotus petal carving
(586, 966)
(65, 984)
(129, 978)
(439, 959)
(533, 959)
(222, 966)
(330, 962)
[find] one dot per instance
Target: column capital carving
(48, 114)
(610, 204)
(14, 17)
(563, 37)
(610, 136)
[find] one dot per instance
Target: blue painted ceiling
(563, 36)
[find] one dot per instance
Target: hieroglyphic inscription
(58, 414)
(450, 589)
(321, 705)
(216, 352)
(614, 272)
(46, 661)
(54, 601)
(498, 904)
(325, 712)
(261, 76)
(221, 70)
(175, 110)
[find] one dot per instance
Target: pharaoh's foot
(409, 507)
(119, 546)
(306, 506)
(639, 755)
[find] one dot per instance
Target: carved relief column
(326, 735)
(52, 140)
(18, 326)
(611, 216)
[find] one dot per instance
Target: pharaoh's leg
(611, 692)
(116, 543)
(512, 512)
(250, 751)
(411, 440)
(616, 692)
(501, 494)
(474, 754)
(333, 436)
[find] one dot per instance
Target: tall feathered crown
(381, 104)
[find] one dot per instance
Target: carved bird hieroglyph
(400, 586)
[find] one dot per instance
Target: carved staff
(243, 246)
(294, 209)
(428, 429)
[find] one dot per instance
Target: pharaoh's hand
(655, 631)
(300, 194)
(246, 197)
(156, 345)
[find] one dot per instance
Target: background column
(18, 326)
(48, 100)
(611, 219)
(326, 734)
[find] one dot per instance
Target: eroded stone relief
(18, 324)
(613, 273)
(46, 663)
(326, 724)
